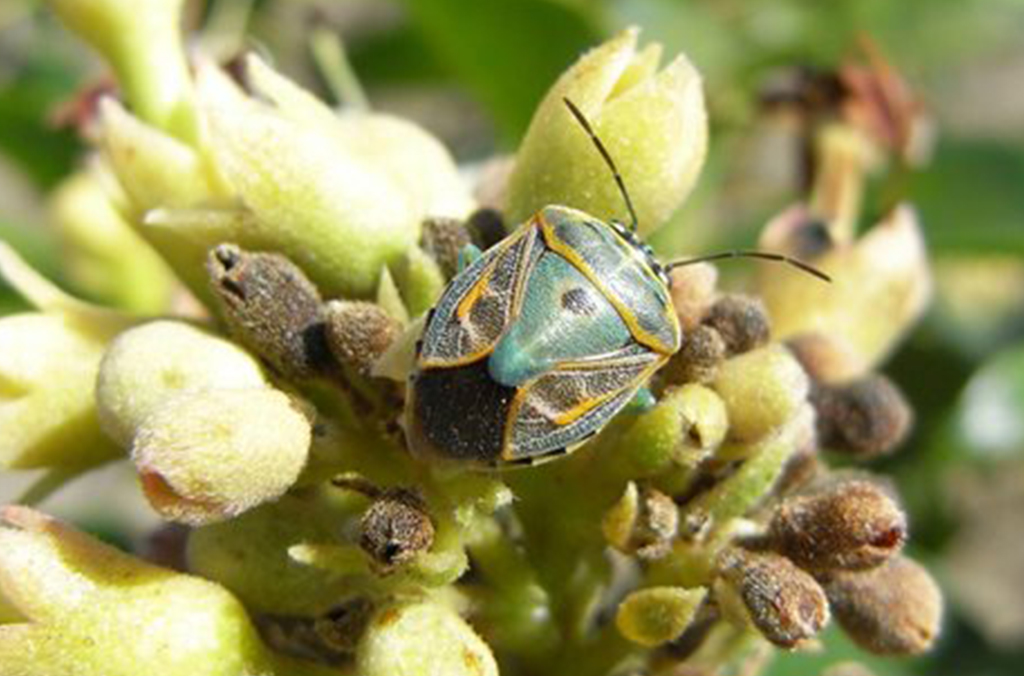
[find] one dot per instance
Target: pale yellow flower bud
(422, 639)
(91, 610)
(210, 455)
(657, 615)
(150, 364)
(102, 253)
(48, 365)
(340, 197)
(762, 389)
(880, 286)
(652, 121)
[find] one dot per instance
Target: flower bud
(894, 609)
(395, 528)
(865, 419)
(419, 638)
(48, 366)
(762, 389)
(318, 188)
(155, 171)
(154, 168)
(657, 615)
(101, 252)
(741, 320)
(95, 611)
(416, 161)
(693, 292)
(209, 455)
(652, 122)
(880, 286)
(142, 43)
(272, 308)
(783, 602)
(148, 365)
(850, 525)
(697, 360)
(444, 239)
(682, 429)
(358, 333)
(643, 522)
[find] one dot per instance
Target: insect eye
(578, 301)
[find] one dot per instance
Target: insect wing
(479, 303)
(563, 407)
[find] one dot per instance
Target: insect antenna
(766, 255)
(578, 114)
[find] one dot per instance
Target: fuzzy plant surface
(263, 408)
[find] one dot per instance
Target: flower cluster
(280, 256)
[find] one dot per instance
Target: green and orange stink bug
(539, 342)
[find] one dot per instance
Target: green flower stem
(513, 606)
(736, 495)
(141, 41)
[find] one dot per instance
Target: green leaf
(506, 53)
(970, 197)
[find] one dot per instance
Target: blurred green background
(472, 72)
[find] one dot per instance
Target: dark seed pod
(741, 320)
(358, 333)
(866, 418)
(342, 626)
(851, 525)
(643, 522)
(395, 528)
(782, 601)
(443, 239)
(698, 358)
(486, 227)
(894, 609)
(271, 307)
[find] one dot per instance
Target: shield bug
(539, 342)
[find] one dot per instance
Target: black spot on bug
(579, 301)
(461, 413)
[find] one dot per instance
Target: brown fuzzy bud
(782, 601)
(358, 333)
(486, 227)
(741, 320)
(443, 239)
(343, 625)
(693, 291)
(851, 525)
(698, 358)
(866, 418)
(271, 306)
(894, 609)
(643, 521)
(395, 528)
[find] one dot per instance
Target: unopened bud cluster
(266, 420)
